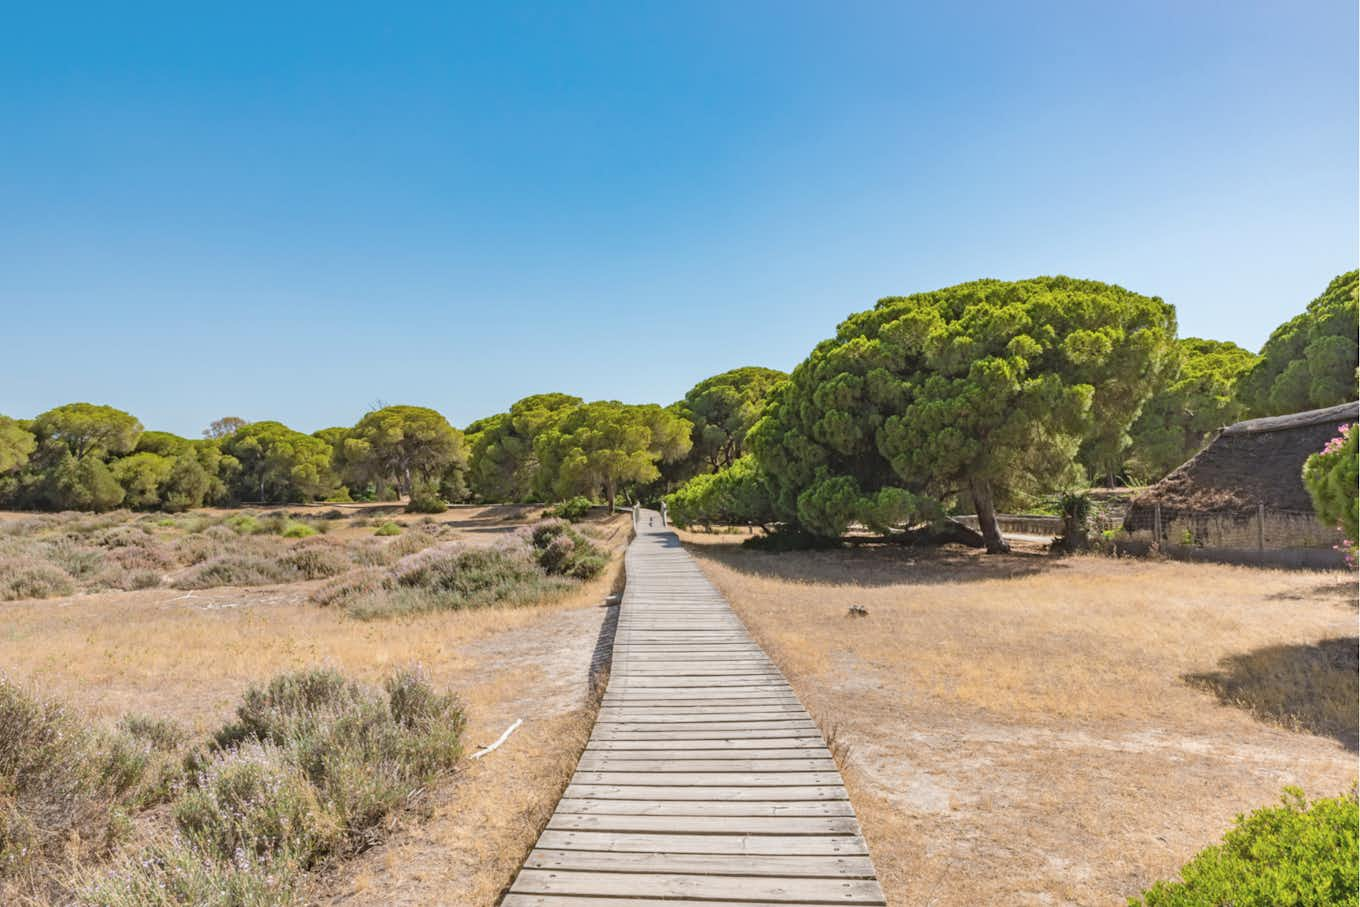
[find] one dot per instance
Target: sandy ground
(1020, 730)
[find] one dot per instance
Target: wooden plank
(708, 864)
(718, 843)
(579, 790)
(630, 884)
(706, 807)
(736, 825)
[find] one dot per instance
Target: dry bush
(64, 789)
(309, 770)
(232, 570)
(28, 577)
(315, 561)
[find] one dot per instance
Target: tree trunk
(609, 493)
(986, 514)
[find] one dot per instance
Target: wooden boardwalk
(704, 782)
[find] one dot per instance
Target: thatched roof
(1259, 461)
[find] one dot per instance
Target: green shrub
(426, 501)
(243, 524)
(1292, 854)
(77, 560)
(1332, 476)
(573, 509)
(388, 528)
(28, 577)
(295, 530)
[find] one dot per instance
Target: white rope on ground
(503, 737)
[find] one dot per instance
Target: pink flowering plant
(1332, 477)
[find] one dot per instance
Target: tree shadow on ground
(877, 565)
(1343, 591)
(1309, 687)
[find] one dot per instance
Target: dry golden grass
(189, 657)
(1025, 730)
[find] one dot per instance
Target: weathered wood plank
(630, 884)
(776, 865)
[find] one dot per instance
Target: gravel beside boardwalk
(705, 782)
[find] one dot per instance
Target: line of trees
(978, 396)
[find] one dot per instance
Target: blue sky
(293, 212)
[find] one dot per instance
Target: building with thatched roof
(1245, 489)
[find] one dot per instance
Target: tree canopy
(404, 444)
(1199, 398)
(1309, 361)
(723, 408)
(16, 445)
(987, 389)
(278, 464)
(600, 446)
(502, 462)
(86, 428)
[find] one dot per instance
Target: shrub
(573, 509)
(1331, 477)
(1294, 853)
(63, 784)
(233, 570)
(243, 524)
(296, 530)
(310, 767)
(562, 551)
(315, 561)
(28, 577)
(352, 585)
(77, 560)
(426, 501)
(388, 528)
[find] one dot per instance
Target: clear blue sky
(291, 213)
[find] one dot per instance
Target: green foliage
(987, 388)
(278, 464)
(425, 499)
(736, 495)
(1291, 854)
(86, 428)
(502, 462)
(573, 509)
(1199, 398)
(295, 530)
(81, 484)
(405, 445)
(1332, 478)
(224, 427)
(723, 409)
(388, 528)
(141, 475)
(1309, 361)
(17, 443)
(562, 551)
(606, 444)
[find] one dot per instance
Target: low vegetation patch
(308, 771)
(536, 564)
(66, 789)
(28, 577)
(1294, 853)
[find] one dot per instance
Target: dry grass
(190, 655)
(1024, 730)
